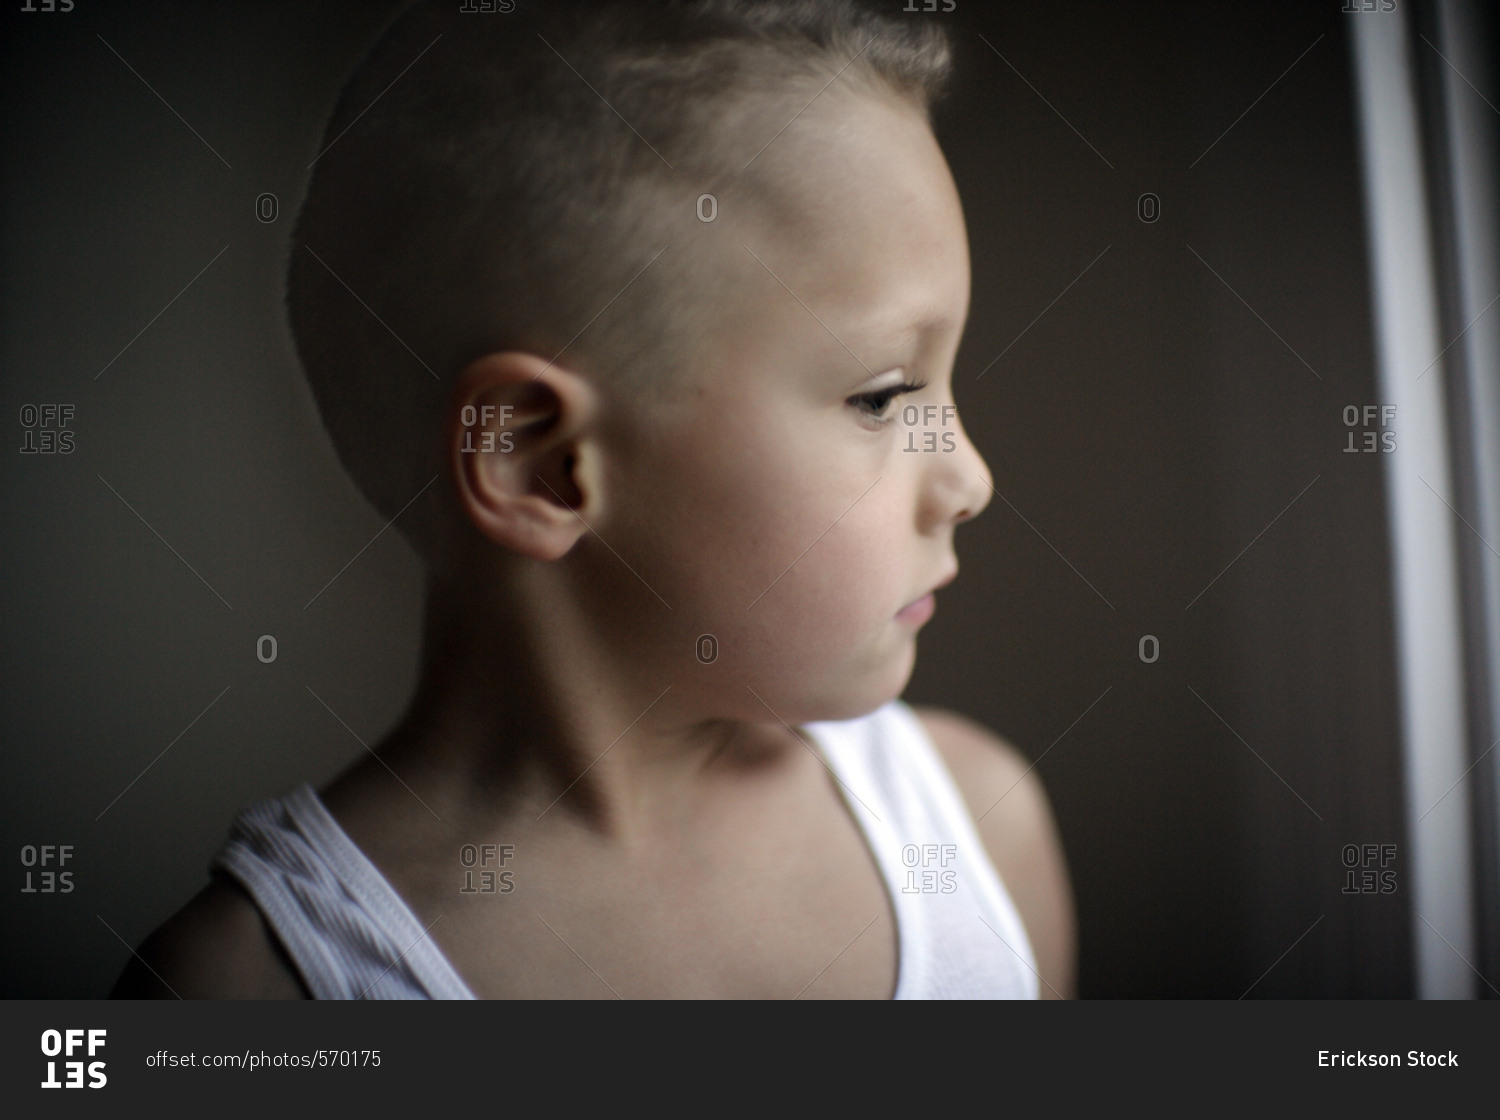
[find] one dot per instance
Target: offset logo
(48, 882)
(45, 431)
(67, 1043)
(493, 881)
(930, 880)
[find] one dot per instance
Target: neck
(520, 708)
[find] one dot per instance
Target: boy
(670, 293)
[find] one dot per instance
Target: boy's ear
(524, 453)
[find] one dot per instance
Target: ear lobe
(521, 435)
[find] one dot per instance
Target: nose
(957, 486)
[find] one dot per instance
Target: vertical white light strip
(1476, 218)
(1429, 638)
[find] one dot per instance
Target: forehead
(859, 222)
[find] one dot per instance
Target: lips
(920, 610)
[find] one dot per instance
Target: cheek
(771, 540)
(835, 576)
(795, 565)
(825, 633)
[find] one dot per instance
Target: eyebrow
(913, 331)
(927, 323)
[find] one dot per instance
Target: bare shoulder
(216, 947)
(1005, 796)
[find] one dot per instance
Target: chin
(873, 689)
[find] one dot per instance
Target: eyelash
(878, 400)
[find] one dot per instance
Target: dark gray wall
(1150, 426)
(1144, 431)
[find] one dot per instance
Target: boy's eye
(875, 404)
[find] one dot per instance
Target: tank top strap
(347, 931)
(959, 934)
(351, 936)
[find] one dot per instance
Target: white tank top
(351, 936)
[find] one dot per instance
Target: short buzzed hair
(490, 181)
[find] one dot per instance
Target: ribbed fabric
(344, 926)
(351, 936)
(959, 936)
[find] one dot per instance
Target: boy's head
(697, 401)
